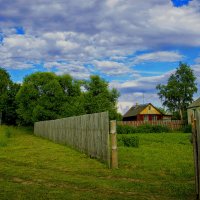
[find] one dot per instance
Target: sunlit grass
(35, 168)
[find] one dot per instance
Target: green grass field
(35, 168)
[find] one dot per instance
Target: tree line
(47, 96)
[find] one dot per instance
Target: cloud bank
(108, 37)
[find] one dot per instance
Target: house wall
(149, 117)
(140, 117)
(159, 117)
(150, 110)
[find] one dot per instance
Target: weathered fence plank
(87, 133)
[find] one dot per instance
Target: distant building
(145, 112)
(192, 107)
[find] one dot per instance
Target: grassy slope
(34, 168)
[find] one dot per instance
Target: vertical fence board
(87, 133)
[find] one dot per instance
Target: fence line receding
(87, 133)
(173, 125)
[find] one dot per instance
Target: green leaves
(4, 86)
(46, 96)
(8, 91)
(177, 94)
(40, 98)
(99, 98)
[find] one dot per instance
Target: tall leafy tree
(8, 104)
(99, 97)
(9, 115)
(178, 93)
(74, 99)
(40, 98)
(45, 96)
(4, 86)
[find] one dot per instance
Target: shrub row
(147, 128)
(187, 128)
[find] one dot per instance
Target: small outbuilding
(192, 107)
(145, 112)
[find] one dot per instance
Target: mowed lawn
(35, 168)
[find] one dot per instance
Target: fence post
(114, 156)
(194, 139)
(195, 119)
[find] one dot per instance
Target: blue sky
(132, 44)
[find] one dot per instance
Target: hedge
(147, 128)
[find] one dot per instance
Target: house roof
(136, 109)
(195, 104)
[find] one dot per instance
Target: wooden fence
(195, 119)
(173, 125)
(87, 133)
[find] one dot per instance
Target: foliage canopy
(8, 91)
(178, 93)
(46, 96)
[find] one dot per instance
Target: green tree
(4, 86)
(100, 98)
(8, 104)
(46, 96)
(177, 94)
(40, 98)
(74, 99)
(9, 115)
(162, 110)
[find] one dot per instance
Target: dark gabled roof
(195, 104)
(135, 110)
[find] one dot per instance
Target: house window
(154, 117)
(146, 118)
(149, 107)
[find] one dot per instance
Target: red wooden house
(145, 112)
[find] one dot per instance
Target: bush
(132, 141)
(125, 129)
(187, 128)
(146, 128)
